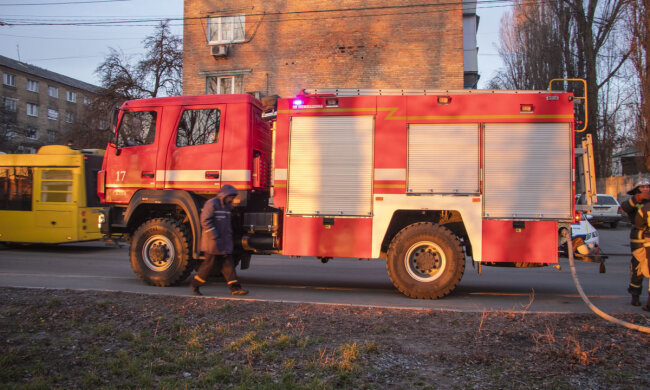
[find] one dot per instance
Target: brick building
(38, 106)
(270, 47)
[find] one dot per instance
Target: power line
(488, 3)
(61, 3)
(70, 39)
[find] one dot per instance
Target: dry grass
(59, 339)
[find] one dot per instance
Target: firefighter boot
(236, 289)
(636, 293)
(646, 307)
(194, 286)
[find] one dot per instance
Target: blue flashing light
(298, 102)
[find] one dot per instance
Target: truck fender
(189, 203)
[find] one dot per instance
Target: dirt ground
(69, 339)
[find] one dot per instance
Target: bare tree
(158, 73)
(8, 129)
(566, 39)
(639, 28)
(93, 130)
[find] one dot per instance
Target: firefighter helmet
(642, 181)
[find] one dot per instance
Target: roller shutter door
(330, 165)
(527, 170)
(443, 158)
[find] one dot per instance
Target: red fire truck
(422, 179)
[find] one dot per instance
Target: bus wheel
(160, 252)
(425, 260)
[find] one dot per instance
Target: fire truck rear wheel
(160, 252)
(425, 261)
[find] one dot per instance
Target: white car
(587, 232)
(607, 209)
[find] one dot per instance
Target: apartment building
(279, 47)
(38, 106)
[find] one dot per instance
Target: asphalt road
(98, 266)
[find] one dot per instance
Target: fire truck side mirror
(112, 142)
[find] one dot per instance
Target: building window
(52, 135)
(9, 130)
(52, 114)
(32, 109)
(32, 85)
(223, 85)
(11, 104)
(87, 100)
(69, 117)
(198, 127)
(226, 29)
(103, 124)
(9, 79)
(31, 132)
(71, 96)
(53, 92)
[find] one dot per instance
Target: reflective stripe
(199, 279)
(390, 174)
(280, 174)
(199, 175)
(209, 229)
(235, 175)
(233, 282)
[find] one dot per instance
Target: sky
(58, 35)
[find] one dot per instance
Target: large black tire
(425, 261)
(160, 252)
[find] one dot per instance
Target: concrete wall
(617, 185)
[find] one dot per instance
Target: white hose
(593, 308)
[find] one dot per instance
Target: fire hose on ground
(593, 308)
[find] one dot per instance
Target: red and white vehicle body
(422, 180)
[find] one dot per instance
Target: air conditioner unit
(219, 50)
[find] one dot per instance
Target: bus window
(56, 185)
(16, 188)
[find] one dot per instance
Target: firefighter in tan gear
(217, 242)
(638, 211)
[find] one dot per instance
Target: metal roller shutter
(330, 165)
(527, 170)
(443, 158)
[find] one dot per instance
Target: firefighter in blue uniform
(217, 242)
(638, 211)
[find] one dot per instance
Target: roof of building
(628, 152)
(47, 74)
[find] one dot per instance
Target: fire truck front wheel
(160, 252)
(425, 261)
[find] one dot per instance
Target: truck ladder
(586, 169)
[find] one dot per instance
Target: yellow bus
(50, 197)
